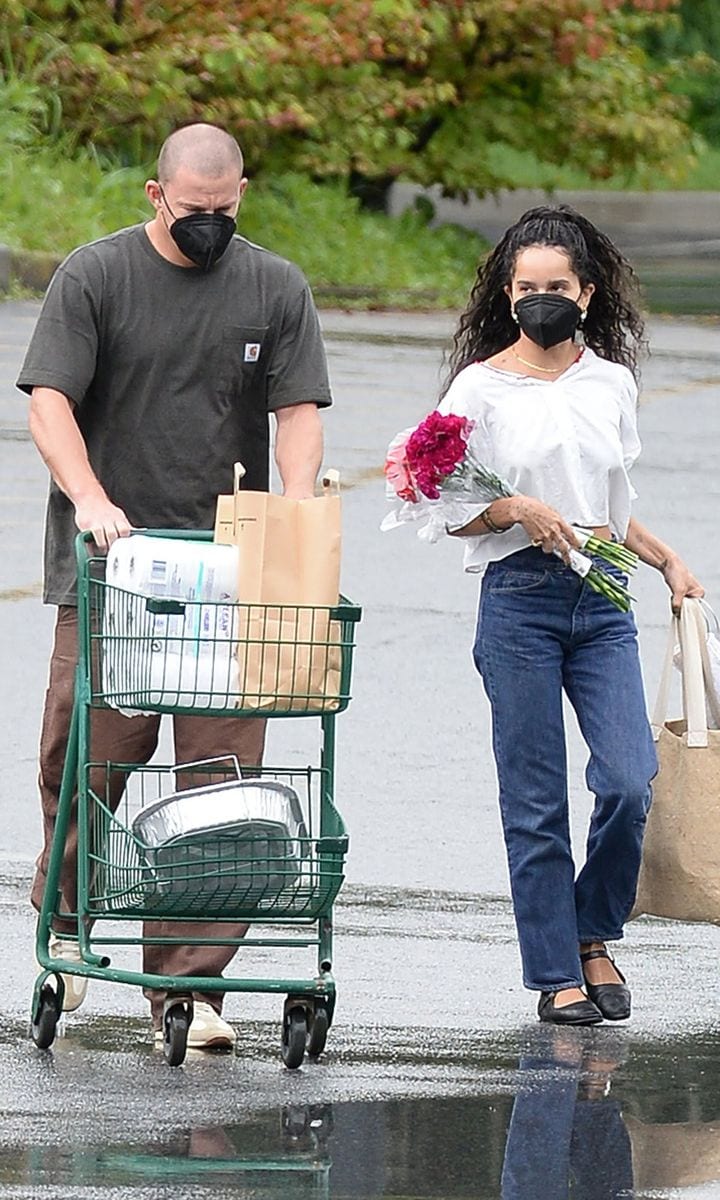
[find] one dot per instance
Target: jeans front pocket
(509, 580)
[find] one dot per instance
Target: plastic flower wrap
(433, 475)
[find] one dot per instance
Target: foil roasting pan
(241, 841)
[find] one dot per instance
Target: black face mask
(548, 318)
(201, 237)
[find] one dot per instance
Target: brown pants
(117, 738)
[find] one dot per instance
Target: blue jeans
(541, 631)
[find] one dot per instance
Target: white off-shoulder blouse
(569, 442)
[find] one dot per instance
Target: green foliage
(695, 29)
(376, 88)
(690, 45)
(698, 82)
(525, 171)
(55, 203)
(324, 230)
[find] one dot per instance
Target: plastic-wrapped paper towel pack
(181, 658)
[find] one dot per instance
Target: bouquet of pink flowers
(432, 466)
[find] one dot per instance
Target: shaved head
(204, 149)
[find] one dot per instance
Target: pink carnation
(435, 449)
(398, 474)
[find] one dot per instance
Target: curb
(30, 268)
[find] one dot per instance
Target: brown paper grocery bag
(289, 562)
(680, 872)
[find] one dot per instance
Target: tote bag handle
(691, 631)
(712, 694)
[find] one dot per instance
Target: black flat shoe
(613, 999)
(582, 1012)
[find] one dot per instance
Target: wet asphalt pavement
(437, 1081)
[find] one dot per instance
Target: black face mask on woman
(202, 237)
(548, 318)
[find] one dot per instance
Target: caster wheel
(317, 1036)
(45, 1019)
(294, 1037)
(176, 1023)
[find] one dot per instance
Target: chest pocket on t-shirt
(243, 356)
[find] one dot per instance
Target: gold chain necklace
(535, 367)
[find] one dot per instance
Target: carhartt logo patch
(252, 351)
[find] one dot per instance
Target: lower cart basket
(237, 849)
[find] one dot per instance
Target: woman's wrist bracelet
(489, 523)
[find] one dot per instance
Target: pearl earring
(515, 317)
(583, 315)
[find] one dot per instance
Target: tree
(372, 89)
(690, 46)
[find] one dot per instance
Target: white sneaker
(208, 1031)
(75, 985)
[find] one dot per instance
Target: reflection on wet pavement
(571, 1112)
(585, 1113)
(272, 1156)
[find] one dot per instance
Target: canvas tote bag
(712, 680)
(673, 1156)
(289, 651)
(680, 872)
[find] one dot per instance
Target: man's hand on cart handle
(103, 519)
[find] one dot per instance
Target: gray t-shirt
(173, 372)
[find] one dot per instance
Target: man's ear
(153, 192)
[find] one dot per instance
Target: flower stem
(612, 552)
(610, 588)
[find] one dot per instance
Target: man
(157, 356)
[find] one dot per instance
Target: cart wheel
(317, 1036)
(176, 1023)
(45, 1018)
(294, 1037)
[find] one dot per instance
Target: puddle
(590, 1114)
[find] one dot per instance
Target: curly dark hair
(613, 328)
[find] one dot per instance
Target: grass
(366, 259)
(338, 244)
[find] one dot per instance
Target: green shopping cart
(208, 841)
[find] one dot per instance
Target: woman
(558, 421)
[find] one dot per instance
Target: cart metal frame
(329, 632)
